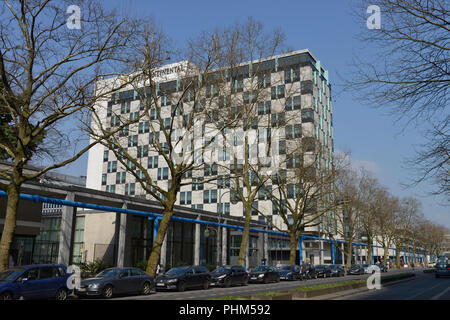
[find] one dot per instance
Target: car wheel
(147, 288)
(181, 286)
(61, 294)
(108, 292)
(6, 296)
(245, 282)
(277, 279)
(265, 280)
(206, 285)
(315, 276)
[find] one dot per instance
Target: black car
(356, 269)
(264, 274)
(290, 273)
(227, 276)
(337, 270)
(308, 271)
(323, 271)
(182, 278)
(382, 267)
(113, 281)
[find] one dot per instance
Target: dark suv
(290, 273)
(264, 274)
(227, 276)
(182, 278)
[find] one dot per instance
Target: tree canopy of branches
(47, 76)
(410, 76)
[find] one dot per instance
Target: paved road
(425, 286)
(239, 290)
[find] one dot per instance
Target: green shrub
(94, 267)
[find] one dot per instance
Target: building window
(293, 103)
(306, 87)
(105, 155)
(186, 197)
(292, 191)
(291, 75)
(196, 185)
(115, 120)
(277, 92)
(223, 182)
(104, 176)
(129, 189)
(293, 162)
(152, 162)
(111, 188)
(144, 127)
(112, 166)
(293, 131)
(278, 119)
(197, 206)
(223, 208)
(133, 141)
(210, 169)
(124, 131)
(163, 173)
(210, 196)
(264, 80)
(125, 107)
(264, 108)
(264, 193)
(142, 151)
(120, 177)
(134, 115)
(307, 115)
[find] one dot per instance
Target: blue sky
(328, 28)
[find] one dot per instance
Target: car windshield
(366, 265)
(356, 266)
(10, 274)
(108, 273)
(333, 267)
(320, 267)
(175, 271)
(287, 268)
(222, 270)
(261, 268)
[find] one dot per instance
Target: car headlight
(261, 275)
(94, 285)
(172, 280)
(221, 277)
(289, 274)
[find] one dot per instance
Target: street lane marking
(440, 294)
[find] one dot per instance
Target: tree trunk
(349, 255)
(245, 234)
(369, 252)
(153, 260)
(10, 224)
(398, 252)
(385, 256)
(293, 248)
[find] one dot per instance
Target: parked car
(337, 270)
(182, 278)
(114, 281)
(308, 271)
(323, 271)
(34, 282)
(356, 269)
(371, 268)
(442, 268)
(290, 272)
(264, 274)
(382, 267)
(227, 276)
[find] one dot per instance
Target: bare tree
(305, 197)
(349, 212)
(47, 76)
(409, 76)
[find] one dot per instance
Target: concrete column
(343, 254)
(266, 247)
(66, 232)
(321, 251)
(224, 246)
(197, 243)
(122, 238)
